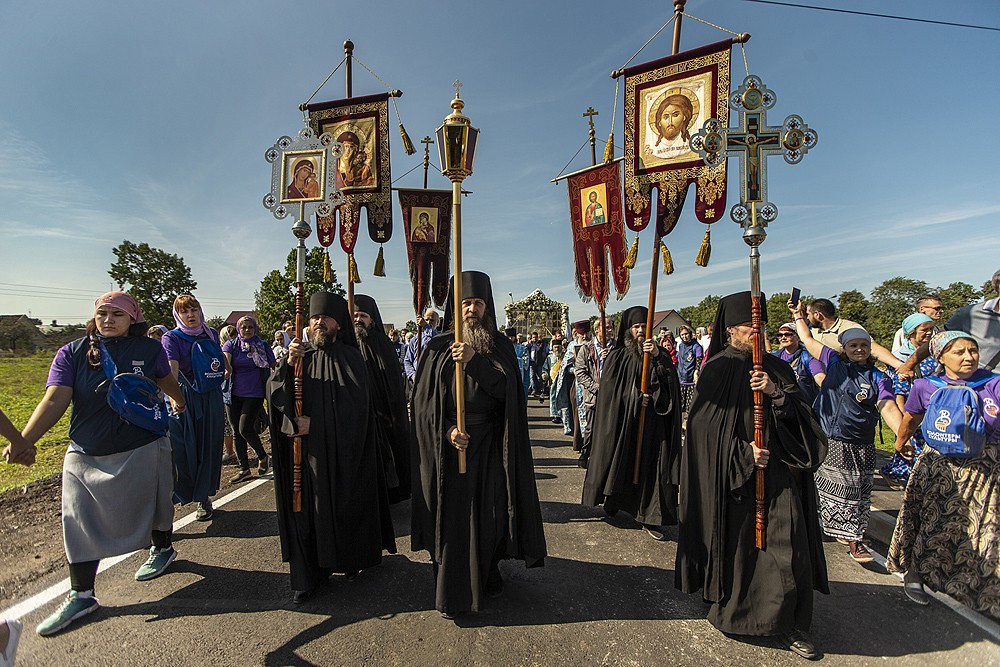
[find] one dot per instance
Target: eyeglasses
(936, 309)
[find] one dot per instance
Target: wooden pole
(456, 214)
(300, 270)
(348, 53)
(654, 274)
(756, 339)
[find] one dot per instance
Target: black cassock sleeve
(489, 378)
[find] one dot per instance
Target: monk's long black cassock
(344, 524)
(388, 393)
(751, 592)
(653, 501)
(468, 522)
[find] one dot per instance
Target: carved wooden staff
(753, 237)
(301, 231)
(655, 273)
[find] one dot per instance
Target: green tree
(777, 314)
(987, 290)
(704, 313)
(853, 305)
(410, 325)
(892, 301)
(275, 300)
(153, 278)
(216, 322)
(955, 296)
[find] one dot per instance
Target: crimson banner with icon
(427, 225)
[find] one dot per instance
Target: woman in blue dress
(917, 329)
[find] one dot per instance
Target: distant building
(235, 316)
(668, 319)
(20, 334)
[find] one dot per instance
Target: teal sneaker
(156, 564)
(72, 608)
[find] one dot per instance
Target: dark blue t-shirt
(688, 360)
(847, 405)
(94, 427)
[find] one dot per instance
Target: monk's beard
(321, 339)
(361, 331)
(477, 335)
(633, 346)
(746, 347)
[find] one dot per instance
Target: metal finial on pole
(426, 141)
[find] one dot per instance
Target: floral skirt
(949, 527)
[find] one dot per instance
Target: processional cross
(753, 141)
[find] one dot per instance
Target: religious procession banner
(361, 124)
(427, 225)
(595, 209)
(666, 102)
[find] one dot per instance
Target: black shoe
(448, 617)
(263, 464)
(351, 576)
(583, 461)
(298, 597)
(656, 532)
(494, 583)
(204, 511)
(556, 420)
(798, 643)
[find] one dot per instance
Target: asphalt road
(604, 597)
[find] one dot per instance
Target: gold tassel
(633, 254)
(609, 149)
(668, 261)
(380, 264)
(352, 270)
(327, 269)
(407, 144)
(705, 251)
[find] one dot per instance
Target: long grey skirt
(110, 504)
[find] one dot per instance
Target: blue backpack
(208, 366)
(135, 397)
(953, 423)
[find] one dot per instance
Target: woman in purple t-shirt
(948, 532)
(251, 359)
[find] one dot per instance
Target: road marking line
(990, 627)
(60, 589)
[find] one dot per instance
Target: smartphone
(796, 293)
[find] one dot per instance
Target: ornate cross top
(753, 140)
(589, 115)
(457, 85)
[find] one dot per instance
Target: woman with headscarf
(196, 435)
(917, 330)
(111, 463)
(251, 360)
(852, 396)
(947, 536)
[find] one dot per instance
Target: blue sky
(148, 121)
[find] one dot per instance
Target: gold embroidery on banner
(711, 181)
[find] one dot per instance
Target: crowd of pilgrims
(378, 427)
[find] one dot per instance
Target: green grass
(22, 385)
(890, 439)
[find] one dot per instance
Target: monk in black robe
(344, 523)
(470, 522)
(615, 430)
(751, 592)
(392, 422)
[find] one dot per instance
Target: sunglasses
(785, 335)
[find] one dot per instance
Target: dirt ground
(31, 544)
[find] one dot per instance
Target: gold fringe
(327, 269)
(633, 254)
(609, 149)
(668, 261)
(380, 264)
(705, 251)
(352, 270)
(407, 144)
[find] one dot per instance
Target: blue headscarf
(909, 325)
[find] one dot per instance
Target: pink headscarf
(122, 302)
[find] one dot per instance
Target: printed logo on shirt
(990, 408)
(861, 395)
(943, 420)
(216, 364)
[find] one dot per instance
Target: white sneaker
(14, 629)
